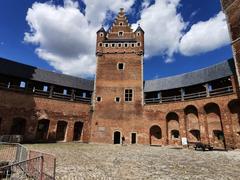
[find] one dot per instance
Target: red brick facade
(118, 107)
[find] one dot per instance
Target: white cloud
(64, 37)
(163, 28)
(205, 36)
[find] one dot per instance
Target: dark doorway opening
(78, 126)
(42, 129)
(117, 137)
(61, 130)
(134, 138)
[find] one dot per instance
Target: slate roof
(214, 72)
(15, 69)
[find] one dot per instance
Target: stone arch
(42, 129)
(117, 137)
(77, 131)
(214, 125)
(173, 128)
(18, 126)
(192, 123)
(155, 135)
(234, 108)
(61, 130)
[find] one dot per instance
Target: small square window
(45, 88)
(117, 99)
(64, 92)
(84, 94)
(128, 95)
(22, 84)
(99, 99)
(120, 66)
(120, 33)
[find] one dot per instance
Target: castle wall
(16, 105)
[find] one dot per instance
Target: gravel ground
(95, 161)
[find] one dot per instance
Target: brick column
(203, 126)
(182, 125)
(52, 130)
(69, 131)
(227, 128)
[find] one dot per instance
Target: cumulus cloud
(65, 37)
(205, 36)
(163, 27)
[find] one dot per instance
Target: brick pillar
(52, 131)
(69, 131)
(227, 128)
(182, 125)
(203, 126)
(31, 128)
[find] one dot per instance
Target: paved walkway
(93, 161)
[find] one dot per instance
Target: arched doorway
(42, 129)
(192, 123)
(18, 126)
(215, 130)
(155, 135)
(173, 134)
(234, 107)
(78, 127)
(61, 130)
(117, 137)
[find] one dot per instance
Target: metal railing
(39, 92)
(201, 94)
(17, 162)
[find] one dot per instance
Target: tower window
(120, 33)
(120, 23)
(132, 44)
(113, 45)
(101, 34)
(100, 44)
(120, 66)
(106, 45)
(138, 44)
(126, 45)
(99, 99)
(119, 45)
(138, 33)
(128, 94)
(117, 99)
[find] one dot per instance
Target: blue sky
(59, 45)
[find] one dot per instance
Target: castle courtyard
(98, 161)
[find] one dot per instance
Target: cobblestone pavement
(94, 161)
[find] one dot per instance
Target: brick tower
(231, 9)
(118, 92)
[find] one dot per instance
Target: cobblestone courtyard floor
(94, 161)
